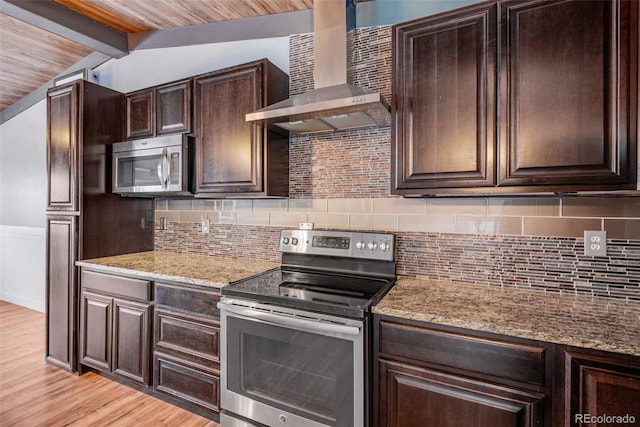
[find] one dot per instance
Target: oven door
(283, 367)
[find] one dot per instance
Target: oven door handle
(293, 322)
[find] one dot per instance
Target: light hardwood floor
(33, 393)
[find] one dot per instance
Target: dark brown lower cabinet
(186, 361)
(598, 386)
(61, 290)
(115, 325)
(431, 375)
(415, 396)
(161, 337)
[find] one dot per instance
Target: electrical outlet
(163, 223)
(305, 226)
(205, 225)
(595, 243)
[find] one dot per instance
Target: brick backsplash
(354, 163)
(342, 181)
(228, 240)
(544, 263)
(537, 263)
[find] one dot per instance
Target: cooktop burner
(333, 272)
(345, 296)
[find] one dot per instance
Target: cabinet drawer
(188, 337)
(199, 301)
(482, 356)
(187, 382)
(116, 285)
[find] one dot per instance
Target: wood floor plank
(34, 393)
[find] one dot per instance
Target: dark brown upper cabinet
(235, 157)
(568, 88)
(443, 123)
(159, 110)
(141, 113)
(173, 108)
(62, 148)
(540, 98)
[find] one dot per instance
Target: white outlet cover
(595, 243)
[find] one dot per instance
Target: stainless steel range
(295, 340)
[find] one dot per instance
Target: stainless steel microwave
(159, 166)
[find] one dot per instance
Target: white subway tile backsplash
(180, 204)
(373, 222)
(489, 224)
(427, 223)
(278, 219)
(524, 206)
(271, 205)
(308, 205)
(350, 206)
(340, 221)
(252, 218)
(450, 206)
(399, 206)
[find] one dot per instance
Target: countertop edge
(150, 275)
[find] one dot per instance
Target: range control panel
(379, 246)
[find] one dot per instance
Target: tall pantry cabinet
(84, 218)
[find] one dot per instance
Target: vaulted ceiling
(42, 39)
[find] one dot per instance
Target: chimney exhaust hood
(334, 104)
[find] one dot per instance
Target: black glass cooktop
(337, 294)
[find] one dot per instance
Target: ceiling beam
(258, 27)
(57, 19)
(88, 62)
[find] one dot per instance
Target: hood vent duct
(334, 104)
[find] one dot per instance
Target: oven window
(138, 171)
(303, 373)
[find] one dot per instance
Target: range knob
(294, 241)
(360, 245)
(285, 240)
(372, 245)
(384, 246)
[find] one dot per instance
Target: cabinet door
(141, 113)
(62, 149)
(413, 397)
(131, 338)
(444, 83)
(599, 386)
(229, 152)
(95, 331)
(173, 108)
(568, 85)
(61, 291)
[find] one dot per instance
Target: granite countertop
(187, 268)
(589, 322)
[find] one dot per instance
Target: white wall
(149, 67)
(23, 182)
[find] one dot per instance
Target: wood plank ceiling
(31, 56)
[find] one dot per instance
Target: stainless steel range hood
(334, 104)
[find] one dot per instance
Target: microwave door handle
(162, 175)
(165, 167)
(168, 177)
